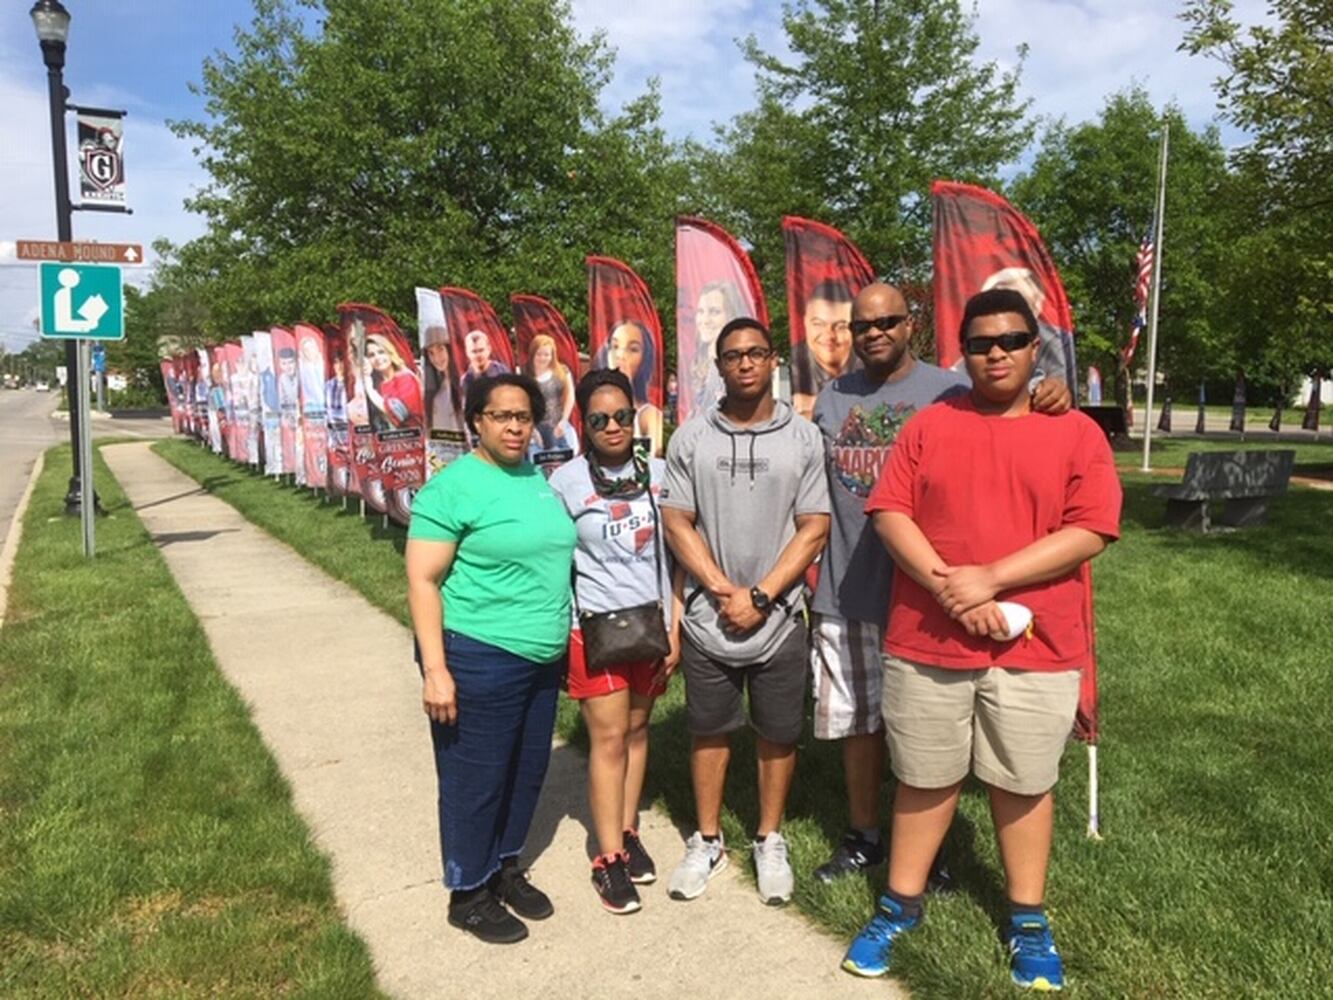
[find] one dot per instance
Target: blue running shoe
(1034, 961)
(869, 952)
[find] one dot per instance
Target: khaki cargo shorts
(1008, 726)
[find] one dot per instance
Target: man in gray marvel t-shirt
(745, 509)
(859, 416)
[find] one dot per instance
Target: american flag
(1142, 281)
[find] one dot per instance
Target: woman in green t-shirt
(488, 557)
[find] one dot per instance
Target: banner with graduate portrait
(983, 242)
(625, 333)
(441, 385)
(715, 283)
(312, 372)
(825, 270)
(385, 410)
(547, 353)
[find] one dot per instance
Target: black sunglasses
(860, 327)
(1007, 342)
(598, 420)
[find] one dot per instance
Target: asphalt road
(28, 427)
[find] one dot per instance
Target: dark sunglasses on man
(1007, 342)
(598, 420)
(860, 327)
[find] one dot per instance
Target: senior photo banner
(217, 400)
(446, 434)
(239, 411)
(287, 387)
(547, 352)
(312, 370)
(102, 156)
(268, 403)
(388, 389)
(175, 393)
(342, 481)
(479, 341)
(825, 270)
(983, 242)
(254, 432)
(197, 363)
(625, 333)
(1310, 422)
(715, 283)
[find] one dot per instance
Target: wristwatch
(762, 602)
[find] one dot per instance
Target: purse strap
(657, 549)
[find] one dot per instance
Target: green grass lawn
(148, 845)
(1215, 877)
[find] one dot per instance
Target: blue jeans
(491, 762)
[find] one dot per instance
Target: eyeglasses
(757, 355)
(599, 421)
(521, 417)
(1007, 342)
(860, 327)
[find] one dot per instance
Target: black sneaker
(511, 886)
(482, 916)
(642, 871)
(610, 877)
(854, 854)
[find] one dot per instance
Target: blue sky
(142, 54)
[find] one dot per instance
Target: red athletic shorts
(586, 683)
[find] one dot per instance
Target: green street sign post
(82, 301)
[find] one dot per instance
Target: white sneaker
(772, 870)
(703, 859)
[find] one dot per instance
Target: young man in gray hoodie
(745, 507)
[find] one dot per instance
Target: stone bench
(1241, 482)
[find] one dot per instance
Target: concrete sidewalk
(331, 686)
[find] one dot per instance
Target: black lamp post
(51, 20)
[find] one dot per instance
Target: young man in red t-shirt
(983, 501)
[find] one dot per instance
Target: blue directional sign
(82, 300)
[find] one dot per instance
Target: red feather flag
(479, 341)
(385, 410)
(825, 270)
(289, 394)
(312, 370)
(625, 332)
(981, 242)
(715, 283)
(342, 481)
(547, 352)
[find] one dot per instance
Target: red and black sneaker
(610, 877)
(642, 871)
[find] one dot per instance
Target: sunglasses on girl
(1007, 342)
(598, 421)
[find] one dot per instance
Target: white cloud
(160, 169)
(690, 45)
(1080, 52)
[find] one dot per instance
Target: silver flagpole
(1156, 297)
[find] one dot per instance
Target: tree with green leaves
(418, 142)
(879, 98)
(1277, 85)
(1091, 190)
